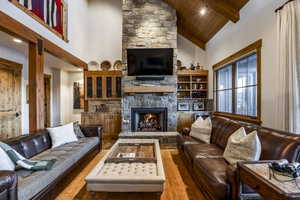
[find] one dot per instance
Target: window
(237, 85)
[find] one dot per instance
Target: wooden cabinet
(192, 84)
(111, 122)
(103, 85)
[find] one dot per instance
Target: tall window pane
(246, 84)
(224, 101)
(225, 78)
(246, 72)
(246, 101)
(224, 89)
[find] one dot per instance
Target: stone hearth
(149, 24)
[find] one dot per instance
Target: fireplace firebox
(149, 119)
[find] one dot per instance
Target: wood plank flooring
(179, 183)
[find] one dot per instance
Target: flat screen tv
(150, 62)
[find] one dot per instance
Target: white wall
(77, 16)
(104, 30)
(75, 115)
(258, 21)
(190, 53)
(68, 114)
(56, 94)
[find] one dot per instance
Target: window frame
(250, 50)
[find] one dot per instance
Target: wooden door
(10, 99)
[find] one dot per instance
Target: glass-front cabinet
(103, 85)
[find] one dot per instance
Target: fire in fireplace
(149, 122)
(149, 119)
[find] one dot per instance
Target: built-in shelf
(192, 84)
(149, 89)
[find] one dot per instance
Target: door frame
(48, 77)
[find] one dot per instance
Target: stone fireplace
(149, 24)
(149, 119)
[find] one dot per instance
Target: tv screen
(147, 62)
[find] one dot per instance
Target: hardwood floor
(179, 184)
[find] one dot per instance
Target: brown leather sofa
(216, 178)
(33, 145)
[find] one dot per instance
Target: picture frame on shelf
(200, 106)
(183, 107)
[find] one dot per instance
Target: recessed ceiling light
(203, 11)
(16, 40)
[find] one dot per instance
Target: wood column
(86, 103)
(36, 86)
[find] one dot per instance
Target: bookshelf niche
(192, 85)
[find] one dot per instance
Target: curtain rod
(278, 9)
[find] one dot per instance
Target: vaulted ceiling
(198, 28)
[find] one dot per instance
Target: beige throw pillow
(201, 129)
(62, 135)
(242, 147)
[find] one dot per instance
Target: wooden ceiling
(198, 28)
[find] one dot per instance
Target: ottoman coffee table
(131, 165)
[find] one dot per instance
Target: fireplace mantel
(149, 89)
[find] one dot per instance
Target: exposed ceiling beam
(190, 37)
(224, 8)
(17, 29)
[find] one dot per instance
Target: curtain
(287, 101)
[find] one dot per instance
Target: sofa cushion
(211, 173)
(203, 151)
(6, 163)
(62, 135)
(30, 145)
(30, 183)
(222, 130)
(183, 140)
(242, 147)
(287, 145)
(201, 129)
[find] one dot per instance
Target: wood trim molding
(11, 65)
(239, 117)
(17, 29)
(61, 36)
(254, 46)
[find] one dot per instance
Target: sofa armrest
(8, 185)
(93, 131)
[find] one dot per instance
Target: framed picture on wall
(183, 107)
(78, 96)
(198, 106)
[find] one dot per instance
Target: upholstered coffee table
(131, 165)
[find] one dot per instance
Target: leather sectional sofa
(24, 184)
(216, 178)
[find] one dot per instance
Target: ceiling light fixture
(203, 8)
(16, 40)
(203, 11)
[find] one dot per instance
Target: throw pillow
(6, 163)
(201, 129)
(62, 135)
(77, 130)
(242, 147)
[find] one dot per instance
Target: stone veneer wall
(149, 24)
